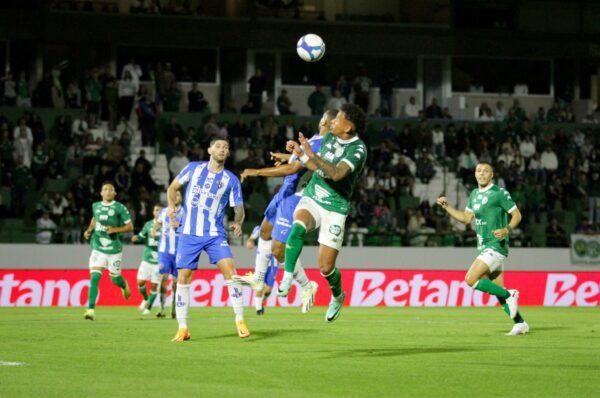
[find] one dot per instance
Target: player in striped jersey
(279, 215)
(210, 188)
(167, 248)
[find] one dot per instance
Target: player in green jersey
(149, 266)
(109, 220)
(325, 201)
(490, 206)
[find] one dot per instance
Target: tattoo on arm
(336, 173)
(238, 212)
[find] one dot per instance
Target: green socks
(143, 291)
(119, 281)
(93, 293)
(293, 246)
(518, 318)
(487, 286)
(151, 299)
(334, 278)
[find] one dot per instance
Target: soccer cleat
(308, 296)
(249, 280)
(335, 307)
(90, 314)
(126, 292)
(519, 328)
(285, 286)
(146, 312)
(182, 335)
(242, 329)
(143, 305)
(261, 311)
(512, 302)
(161, 314)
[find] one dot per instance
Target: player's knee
(267, 291)
(471, 281)
(325, 266)
(279, 252)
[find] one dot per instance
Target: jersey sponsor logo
(105, 242)
(103, 217)
(320, 193)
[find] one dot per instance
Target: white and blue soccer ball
(310, 47)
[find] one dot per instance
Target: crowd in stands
(548, 163)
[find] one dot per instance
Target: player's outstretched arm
(277, 171)
(464, 217)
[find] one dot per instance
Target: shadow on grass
(395, 352)
(268, 334)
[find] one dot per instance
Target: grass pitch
(367, 352)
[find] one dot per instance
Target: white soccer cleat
(512, 302)
(143, 305)
(285, 286)
(249, 280)
(146, 312)
(308, 296)
(519, 328)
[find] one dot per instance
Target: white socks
(300, 275)
(182, 305)
(236, 297)
(263, 259)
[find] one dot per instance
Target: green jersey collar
(481, 190)
(349, 140)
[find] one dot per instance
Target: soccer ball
(310, 47)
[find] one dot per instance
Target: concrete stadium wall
(31, 256)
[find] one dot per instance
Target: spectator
(248, 108)
(166, 78)
(23, 93)
(585, 226)
(39, 166)
(178, 162)
(411, 109)
(58, 204)
(147, 112)
(73, 96)
(122, 179)
(21, 180)
(45, 229)
(133, 70)
(257, 84)
(446, 113)
(196, 101)
(284, 104)
(23, 142)
(342, 85)
(70, 227)
(433, 111)
(499, 113)
(316, 101)
(127, 89)
(93, 89)
(172, 98)
(466, 165)
(425, 168)
(361, 86)
(549, 161)
(386, 93)
(438, 148)
(485, 113)
(10, 90)
(555, 234)
(382, 213)
(336, 101)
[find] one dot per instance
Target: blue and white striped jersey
(206, 197)
(168, 235)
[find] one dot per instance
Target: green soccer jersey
(151, 248)
(490, 206)
(112, 214)
(335, 195)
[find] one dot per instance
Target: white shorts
(330, 224)
(103, 260)
(493, 259)
(149, 272)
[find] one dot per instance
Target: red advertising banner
(364, 288)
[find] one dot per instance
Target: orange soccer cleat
(182, 335)
(242, 329)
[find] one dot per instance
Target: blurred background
(130, 91)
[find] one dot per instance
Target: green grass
(375, 352)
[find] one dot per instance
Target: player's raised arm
(277, 171)
(313, 162)
(464, 217)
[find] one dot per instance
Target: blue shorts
(284, 218)
(190, 247)
(271, 274)
(166, 264)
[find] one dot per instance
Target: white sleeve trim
(349, 163)
(512, 209)
(469, 210)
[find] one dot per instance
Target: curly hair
(356, 115)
